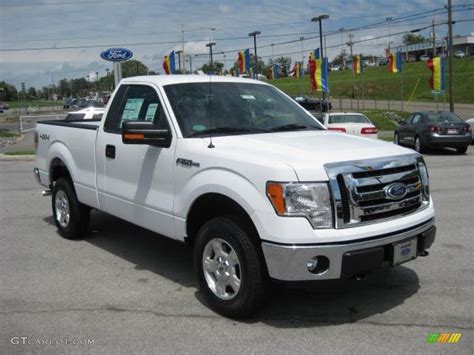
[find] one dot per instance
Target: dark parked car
(424, 130)
(312, 104)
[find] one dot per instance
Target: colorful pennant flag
(169, 64)
(318, 72)
(243, 59)
(395, 62)
(274, 71)
(357, 64)
(437, 67)
(297, 71)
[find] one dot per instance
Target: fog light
(312, 264)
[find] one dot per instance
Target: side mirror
(145, 132)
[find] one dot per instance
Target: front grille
(360, 190)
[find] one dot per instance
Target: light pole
(210, 45)
(183, 30)
(450, 56)
(254, 34)
(321, 54)
(302, 56)
(224, 55)
(389, 20)
(342, 47)
(273, 53)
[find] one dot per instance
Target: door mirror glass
(145, 132)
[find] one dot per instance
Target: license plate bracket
(452, 131)
(404, 251)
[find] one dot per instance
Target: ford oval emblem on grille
(396, 191)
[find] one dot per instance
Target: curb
(4, 157)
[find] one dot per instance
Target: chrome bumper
(289, 262)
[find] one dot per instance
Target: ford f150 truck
(246, 176)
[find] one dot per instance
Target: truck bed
(73, 142)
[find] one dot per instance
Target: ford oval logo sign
(405, 251)
(116, 54)
(396, 191)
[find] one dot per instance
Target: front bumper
(289, 262)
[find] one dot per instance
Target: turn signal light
(338, 129)
(368, 130)
(275, 194)
(435, 129)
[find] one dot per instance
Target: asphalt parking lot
(127, 290)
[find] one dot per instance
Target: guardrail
(28, 123)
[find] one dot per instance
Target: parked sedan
(424, 130)
(349, 122)
(312, 104)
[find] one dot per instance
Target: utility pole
(190, 63)
(342, 47)
(182, 48)
(302, 55)
(389, 20)
(350, 44)
(434, 38)
(450, 54)
(273, 52)
(179, 60)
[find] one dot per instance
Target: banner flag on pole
(169, 64)
(357, 64)
(243, 58)
(274, 71)
(437, 79)
(395, 62)
(297, 71)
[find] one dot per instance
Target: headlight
(425, 179)
(310, 200)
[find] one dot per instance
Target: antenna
(210, 44)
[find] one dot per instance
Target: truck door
(135, 181)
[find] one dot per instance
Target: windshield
(348, 119)
(237, 108)
(443, 117)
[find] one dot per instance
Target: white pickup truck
(239, 171)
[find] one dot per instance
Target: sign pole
(363, 88)
(401, 90)
(117, 73)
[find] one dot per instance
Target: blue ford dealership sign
(116, 54)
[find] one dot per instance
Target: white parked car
(459, 54)
(353, 123)
(90, 113)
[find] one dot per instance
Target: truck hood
(306, 151)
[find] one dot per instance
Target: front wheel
(462, 150)
(418, 145)
(229, 270)
(396, 139)
(70, 216)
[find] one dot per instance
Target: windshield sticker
(248, 97)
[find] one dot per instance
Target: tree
(32, 93)
(217, 67)
(284, 63)
(133, 68)
(10, 92)
(411, 38)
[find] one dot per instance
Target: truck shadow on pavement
(323, 303)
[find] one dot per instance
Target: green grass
(385, 120)
(21, 152)
(5, 134)
(382, 85)
(36, 103)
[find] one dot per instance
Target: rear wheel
(419, 147)
(229, 270)
(70, 216)
(462, 150)
(396, 139)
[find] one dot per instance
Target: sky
(33, 33)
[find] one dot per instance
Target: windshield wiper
(293, 127)
(227, 130)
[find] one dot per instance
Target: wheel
(396, 139)
(462, 150)
(70, 216)
(418, 145)
(229, 270)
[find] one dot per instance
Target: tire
(462, 150)
(419, 145)
(217, 279)
(70, 216)
(396, 139)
